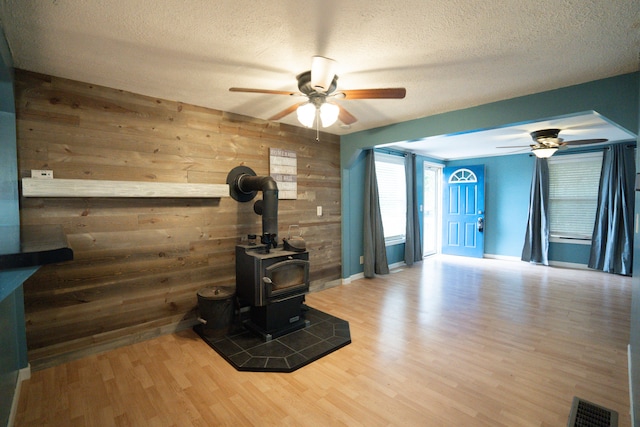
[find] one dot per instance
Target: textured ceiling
(448, 54)
(516, 138)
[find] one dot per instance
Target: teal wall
(508, 177)
(634, 339)
(395, 253)
(507, 187)
(353, 211)
(13, 356)
(507, 180)
(352, 214)
(615, 98)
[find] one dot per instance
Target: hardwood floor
(448, 342)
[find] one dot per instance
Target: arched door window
(463, 175)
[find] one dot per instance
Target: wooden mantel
(38, 187)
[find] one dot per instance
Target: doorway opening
(431, 208)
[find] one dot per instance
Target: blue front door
(463, 211)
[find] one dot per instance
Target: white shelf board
(38, 187)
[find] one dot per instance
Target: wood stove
(264, 278)
(273, 282)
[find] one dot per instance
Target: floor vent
(587, 414)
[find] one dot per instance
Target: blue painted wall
(634, 339)
(352, 214)
(13, 356)
(615, 98)
(508, 177)
(507, 187)
(353, 211)
(507, 182)
(395, 253)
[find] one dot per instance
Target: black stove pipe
(268, 206)
(243, 186)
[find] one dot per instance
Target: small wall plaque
(283, 168)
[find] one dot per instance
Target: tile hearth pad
(247, 352)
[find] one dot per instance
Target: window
(462, 175)
(574, 181)
(392, 191)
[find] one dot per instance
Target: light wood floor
(448, 342)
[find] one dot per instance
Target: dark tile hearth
(246, 351)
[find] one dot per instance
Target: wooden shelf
(38, 187)
(39, 245)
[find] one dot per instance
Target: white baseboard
(562, 264)
(351, 278)
(573, 265)
(347, 280)
(502, 257)
(23, 375)
(396, 265)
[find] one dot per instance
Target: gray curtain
(536, 241)
(612, 241)
(413, 239)
(375, 252)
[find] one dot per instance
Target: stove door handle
(288, 297)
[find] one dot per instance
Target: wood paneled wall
(139, 262)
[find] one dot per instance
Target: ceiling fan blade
(346, 117)
(286, 111)
(585, 141)
(271, 92)
(387, 93)
(514, 146)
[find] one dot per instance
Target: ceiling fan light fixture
(306, 114)
(323, 70)
(544, 152)
(319, 85)
(547, 137)
(329, 114)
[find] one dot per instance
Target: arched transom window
(462, 175)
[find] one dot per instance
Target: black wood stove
(271, 280)
(274, 284)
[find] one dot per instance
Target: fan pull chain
(317, 125)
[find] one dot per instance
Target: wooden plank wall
(139, 262)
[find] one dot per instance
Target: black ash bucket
(216, 310)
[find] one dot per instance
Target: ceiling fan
(319, 86)
(546, 142)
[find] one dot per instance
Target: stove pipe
(243, 186)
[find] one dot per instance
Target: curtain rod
(385, 150)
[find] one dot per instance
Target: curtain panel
(375, 251)
(612, 240)
(413, 238)
(536, 241)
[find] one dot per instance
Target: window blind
(392, 193)
(573, 194)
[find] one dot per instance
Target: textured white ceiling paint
(516, 138)
(448, 54)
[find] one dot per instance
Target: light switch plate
(39, 173)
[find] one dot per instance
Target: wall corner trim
(23, 375)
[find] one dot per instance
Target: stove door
(286, 278)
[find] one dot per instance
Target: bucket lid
(217, 292)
